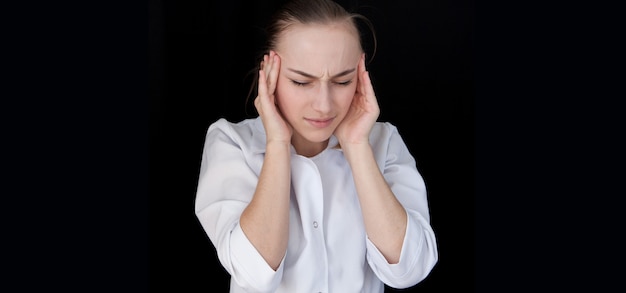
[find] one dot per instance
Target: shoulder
(247, 133)
(386, 142)
(242, 128)
(383, 131)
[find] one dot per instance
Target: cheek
(344, 95)
(281, 94)
(285, 97)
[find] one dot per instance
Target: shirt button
(314, 224)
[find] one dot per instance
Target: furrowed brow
(308, 75)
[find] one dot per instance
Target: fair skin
(312, 86)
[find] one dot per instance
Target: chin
(318, 136)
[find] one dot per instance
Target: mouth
(320, 123)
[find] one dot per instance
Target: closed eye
(344, 83)
(299, 83)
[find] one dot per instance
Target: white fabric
(328, 250)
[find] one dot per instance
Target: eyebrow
(308, 75)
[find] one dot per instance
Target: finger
(261, 69)
(267, 68)
(361, 67)
(366, 86)
(365, 82)
(268, 64)
(262, 85)
(273, 74)
(257, 104)
(361, 75)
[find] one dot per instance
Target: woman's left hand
(363, 113)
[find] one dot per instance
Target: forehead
(319, 45)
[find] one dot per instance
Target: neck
(307, 148)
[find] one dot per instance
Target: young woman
(314, 195)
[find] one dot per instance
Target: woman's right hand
(277, 129)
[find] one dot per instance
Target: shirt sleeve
(419, 250)
(226, 185)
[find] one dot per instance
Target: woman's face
(317, 80)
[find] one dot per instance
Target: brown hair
(306, 12)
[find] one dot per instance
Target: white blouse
(328, 249)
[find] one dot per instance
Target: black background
(422, 73)
(102, 126)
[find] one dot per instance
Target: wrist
(356, 149)
(277, 145)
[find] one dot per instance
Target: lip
(320, 123)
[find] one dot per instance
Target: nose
(322, 101)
